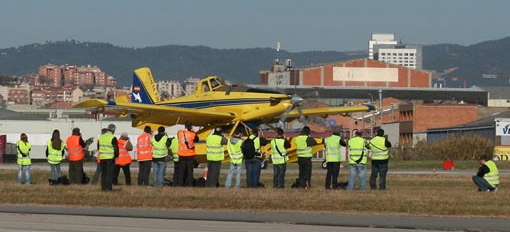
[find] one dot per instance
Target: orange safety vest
(186, 150)
(124, 157)
(144, 147)
(75, 150)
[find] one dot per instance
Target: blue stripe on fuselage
(214, 103)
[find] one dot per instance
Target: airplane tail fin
(144, 88)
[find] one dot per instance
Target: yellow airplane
(212, 104)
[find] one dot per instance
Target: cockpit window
(215, 83)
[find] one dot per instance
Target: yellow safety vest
(256, 144)
(378, 147)
(215, 150)
(234, 150)
(159, 149)
(25, 148)
(356, 148)
(106, 150)
(174, 148)
(303, 150)
(333, 151)
(276, 157)
(493, 176)
(55, 156)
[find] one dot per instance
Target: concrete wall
(39, 132)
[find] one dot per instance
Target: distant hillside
(490, 57)
(243, 65)
(166, 62)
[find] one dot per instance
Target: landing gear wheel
(324, 164)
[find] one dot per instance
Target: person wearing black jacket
(108, 151)
(487, 177)
(160, 144)
(379, 147)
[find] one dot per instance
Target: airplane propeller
(295, 101)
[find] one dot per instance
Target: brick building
(71, 75)
(353, 73)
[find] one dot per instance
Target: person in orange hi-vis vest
(76, 152)
(186, 151)
(124, 159)
(144, 155)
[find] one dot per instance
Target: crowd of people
(154, 151)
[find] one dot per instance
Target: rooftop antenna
(277, 61)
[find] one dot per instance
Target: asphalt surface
(179, 220)
(39, 222)
(222, 220)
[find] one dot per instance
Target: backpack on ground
(248, 148)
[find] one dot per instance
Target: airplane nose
(296, 99)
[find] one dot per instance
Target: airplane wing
(153, 114)
(330, 111)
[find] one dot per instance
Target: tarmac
(221, 220)
(182, 220)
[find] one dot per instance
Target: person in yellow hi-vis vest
(108, 151)
(304, 145)
(215, 154)
(236, 159)
(55, 153)
(24, 160)
(333, 144)
(160, 144)
(357, 161)
(379, 147)
(487, 178)
(174, 148)
(279, 146)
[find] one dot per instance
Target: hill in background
(466, 63)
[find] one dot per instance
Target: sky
(299, 25)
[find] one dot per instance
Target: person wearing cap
(108, 151)
(160, 145)
(236, 159)
(379, 147)
(253, 164)
(124, 160)
(186, 151)
(333, 145)
(144, 154)
(76, 153)
(215, 154)
(304, 145)
(487, 178)
(357, 161)
(279, 158)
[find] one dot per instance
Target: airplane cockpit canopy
(209, 84)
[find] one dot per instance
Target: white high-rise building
(384, 47)
(380, 38)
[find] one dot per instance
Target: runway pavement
(37, 218)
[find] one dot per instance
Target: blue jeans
(158, 173)
(56, 171)
(359, 170)
(237, 168)
(279, 175)
(380, 169)
(253, 172)
(482, 184)
(27, 174)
